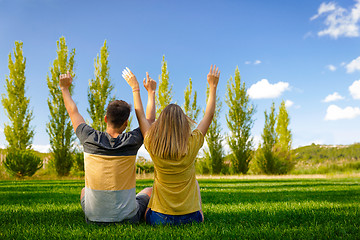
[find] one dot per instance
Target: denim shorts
(142, 201)
(156, 218)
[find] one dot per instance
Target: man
(109, 195)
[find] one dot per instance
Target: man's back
(109, 174)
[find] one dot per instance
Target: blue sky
(304, 52)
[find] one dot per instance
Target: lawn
(278, 208)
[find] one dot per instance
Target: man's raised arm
(65, 81)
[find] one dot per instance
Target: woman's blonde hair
(168, 136)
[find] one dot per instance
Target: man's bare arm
(139, 110)
(65, 81)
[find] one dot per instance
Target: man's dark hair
(117, 113)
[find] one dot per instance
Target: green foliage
(233, 208)
(240, 122)
(18, 133)
(214, 155)
(284, 136)
(325, 159)
(22, 163)
(164, 94)
(283, 141)
(318, 153)
(59, 127)
(202, 166)
(79, 161)
(128, 127)
(274, 156)
(99, 90)
(265, 157)
(144, 166)
(190, 107)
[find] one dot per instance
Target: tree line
(272, 156)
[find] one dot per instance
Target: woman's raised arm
(213, 80)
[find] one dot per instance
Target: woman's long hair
(168, 136)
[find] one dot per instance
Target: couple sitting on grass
(109, 195)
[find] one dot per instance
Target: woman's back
(175, 188)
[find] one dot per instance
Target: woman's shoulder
(197, 137)
(197, 132)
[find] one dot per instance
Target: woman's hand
(130, 79)
(149, 83)
(213, 76)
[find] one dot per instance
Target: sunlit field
(270, 208)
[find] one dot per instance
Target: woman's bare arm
(213, 80)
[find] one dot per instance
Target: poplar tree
(214, 155)
(265, 157)
(20, 159)
(190, 106)
(99, 90)
(284, 136)
(59, 127)
(283, 141)
(240, 122)
(128, 127)
(18, 133)
(164, 94)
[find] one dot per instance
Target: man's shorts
(142, 200)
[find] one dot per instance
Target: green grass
(324, 208)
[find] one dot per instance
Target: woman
(173, 147)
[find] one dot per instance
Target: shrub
(22, 163)
(79, 161)
(272, 161)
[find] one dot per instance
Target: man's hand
(149, 83)
(65, 80)
(130, 79)
(213, 76)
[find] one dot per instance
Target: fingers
(147, 76)
(126, 73)
(214, 70)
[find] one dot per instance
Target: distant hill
(40, 154)
(319, 153)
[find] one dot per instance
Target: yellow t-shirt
(175, 191)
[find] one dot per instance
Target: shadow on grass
(289, 217)
(239, 197)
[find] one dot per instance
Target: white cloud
(308, 34)
(256, 62)
(336, 113)
(324, 7)
(257, 140)
(41, 148)
(355, 89)
(263, 89)
(144, 153)
(333, 97)
(353, 65)
(339, 21)
(288, 103)
(331, 67)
